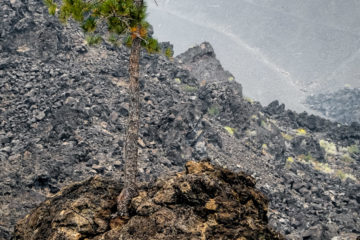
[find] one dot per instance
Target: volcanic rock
(204, 202)
(63, 114)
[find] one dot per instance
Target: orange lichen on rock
(204, 202)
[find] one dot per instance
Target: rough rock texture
(202, 63)
(204, 202)
(63, 108)
(342, 106)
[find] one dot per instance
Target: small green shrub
(51, 6)
(93, 39)
(346, 158)
(353, 149)
(188, 88)
(263, 124)
(213, 110)
(308, 157)
(329, 147)
(113, 39)
(322, 167)
(343, 176)
(169, 53)
(340, 174)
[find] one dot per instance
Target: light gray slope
(274, 48)
(261, 79)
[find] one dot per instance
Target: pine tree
(123, 18)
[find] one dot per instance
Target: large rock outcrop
(202, 63)
(204, 202)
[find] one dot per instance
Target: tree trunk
(131, 146)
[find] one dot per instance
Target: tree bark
(131, 146)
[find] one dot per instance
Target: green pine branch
(121, 17)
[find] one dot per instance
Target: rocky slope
(204, 202)
(342, 106)
(63, 108)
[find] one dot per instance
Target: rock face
(202, 63)
(63, 110)
(204, 202)
(342, 106)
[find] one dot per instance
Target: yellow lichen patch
(177, 80)
(264, 149)
(329, 147)
(300, 132)
(287, 137)
(231, 79)
(290, 160)
(230, 130)
(211, 205)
